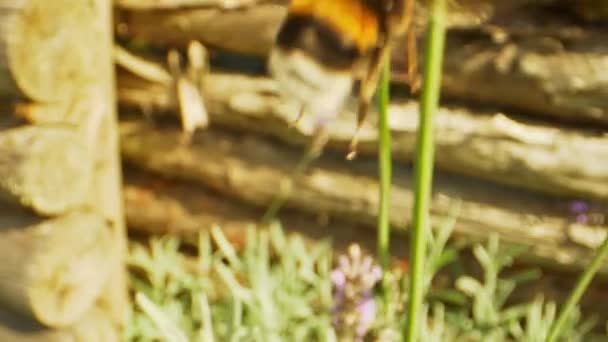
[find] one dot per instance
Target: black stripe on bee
(318, 40)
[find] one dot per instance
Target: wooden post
(107, 180)
(62, 237)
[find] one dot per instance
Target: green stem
(384, 156)
(424, 165)
(581, 286)
(319, 140)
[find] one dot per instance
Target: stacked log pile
(62, 241)
(520, 134)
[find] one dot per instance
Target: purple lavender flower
(581, 218)
(367, 313)
(579, 207)
(354, 279)
(338, 278)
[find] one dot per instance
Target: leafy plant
(281, 288)
(276, 289)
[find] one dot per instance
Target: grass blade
(170, 332)
(384, 156)
(576, 294)
(206, 334)
(424, 166)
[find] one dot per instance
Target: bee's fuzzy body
(324, 46)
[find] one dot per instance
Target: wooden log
(567, 85)
(47, 169)
(56, 66)
(249, 29)
(482, 143)
(155, 205)
(211, 26)
(94, 327)
(41, 46)
(177, 4)
(106, 190)
(543, 63)
(53, 270)
(591, 10)
(252, 170)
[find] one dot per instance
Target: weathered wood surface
(47, 169)
(106, 189)
(592, 10)
(542, 63)
(155, 205)
(249, 31)
(93, 327)
(175, 4)
(252, 170)
(566, 84)
(53, 270)
(57, 72)
(482, 143)
(41, 46)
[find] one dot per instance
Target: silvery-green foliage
(276, 289)
(279, 288)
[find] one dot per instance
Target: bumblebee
(324, 47)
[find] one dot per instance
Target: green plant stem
(424, 166)
(576, 294)
(384, 161)
(314, 150)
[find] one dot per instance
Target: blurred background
(139, 120)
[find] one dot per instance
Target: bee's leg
(367, 90)
(412, 63)
(298, 118)
(313, 151)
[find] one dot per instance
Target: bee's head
(317, 50)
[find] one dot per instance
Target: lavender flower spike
(354, 279)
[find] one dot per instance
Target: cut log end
(54, 270)
(43, 45)
(45, 169)
(94, 326)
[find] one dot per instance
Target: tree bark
(41, 46)
(503, 148)
(252, 170)
(53, 270)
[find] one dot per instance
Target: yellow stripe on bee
(349, 17)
